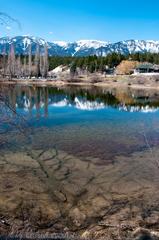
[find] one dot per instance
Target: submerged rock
(60, 196)
(77, 217)
(145, 234)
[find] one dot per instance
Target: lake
(78, 158)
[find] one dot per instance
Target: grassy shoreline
(122, 81)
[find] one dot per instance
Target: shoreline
(119, 81)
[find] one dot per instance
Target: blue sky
(71, 20)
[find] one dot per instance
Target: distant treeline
(98, 64)
(38, 65)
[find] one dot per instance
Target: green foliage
(145, 57)
(91, 63)
(73, 67)
(96, 64)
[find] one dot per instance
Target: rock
(77, 217)
(66, 229)
(60, 196)
(145, 234)
(99, 204)
(86, 235)
(58, 226)
(153, 219)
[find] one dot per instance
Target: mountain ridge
(78, 48)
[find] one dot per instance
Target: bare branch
(5, 19)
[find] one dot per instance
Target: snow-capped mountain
(79, 48)
(22, 43)
(133, 46)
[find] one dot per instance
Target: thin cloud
(8, 28)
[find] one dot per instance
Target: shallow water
(76, 156)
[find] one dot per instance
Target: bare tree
(4, 64)
(30, 61)
(6, 20)
(11, 61)
(25, 67)
(37, 61)
(18, 66)
(42, 65)
(46, 62)
(9, 65)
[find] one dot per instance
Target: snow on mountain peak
(79, 48)
(91, 44)
(61, 43)
(26, 42)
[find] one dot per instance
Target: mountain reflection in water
(117, 118)
(31, 98)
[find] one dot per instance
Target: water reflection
(39, 100)
(105, 122)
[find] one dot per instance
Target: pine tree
(73, 68)
(101, 66)
(92, 67)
